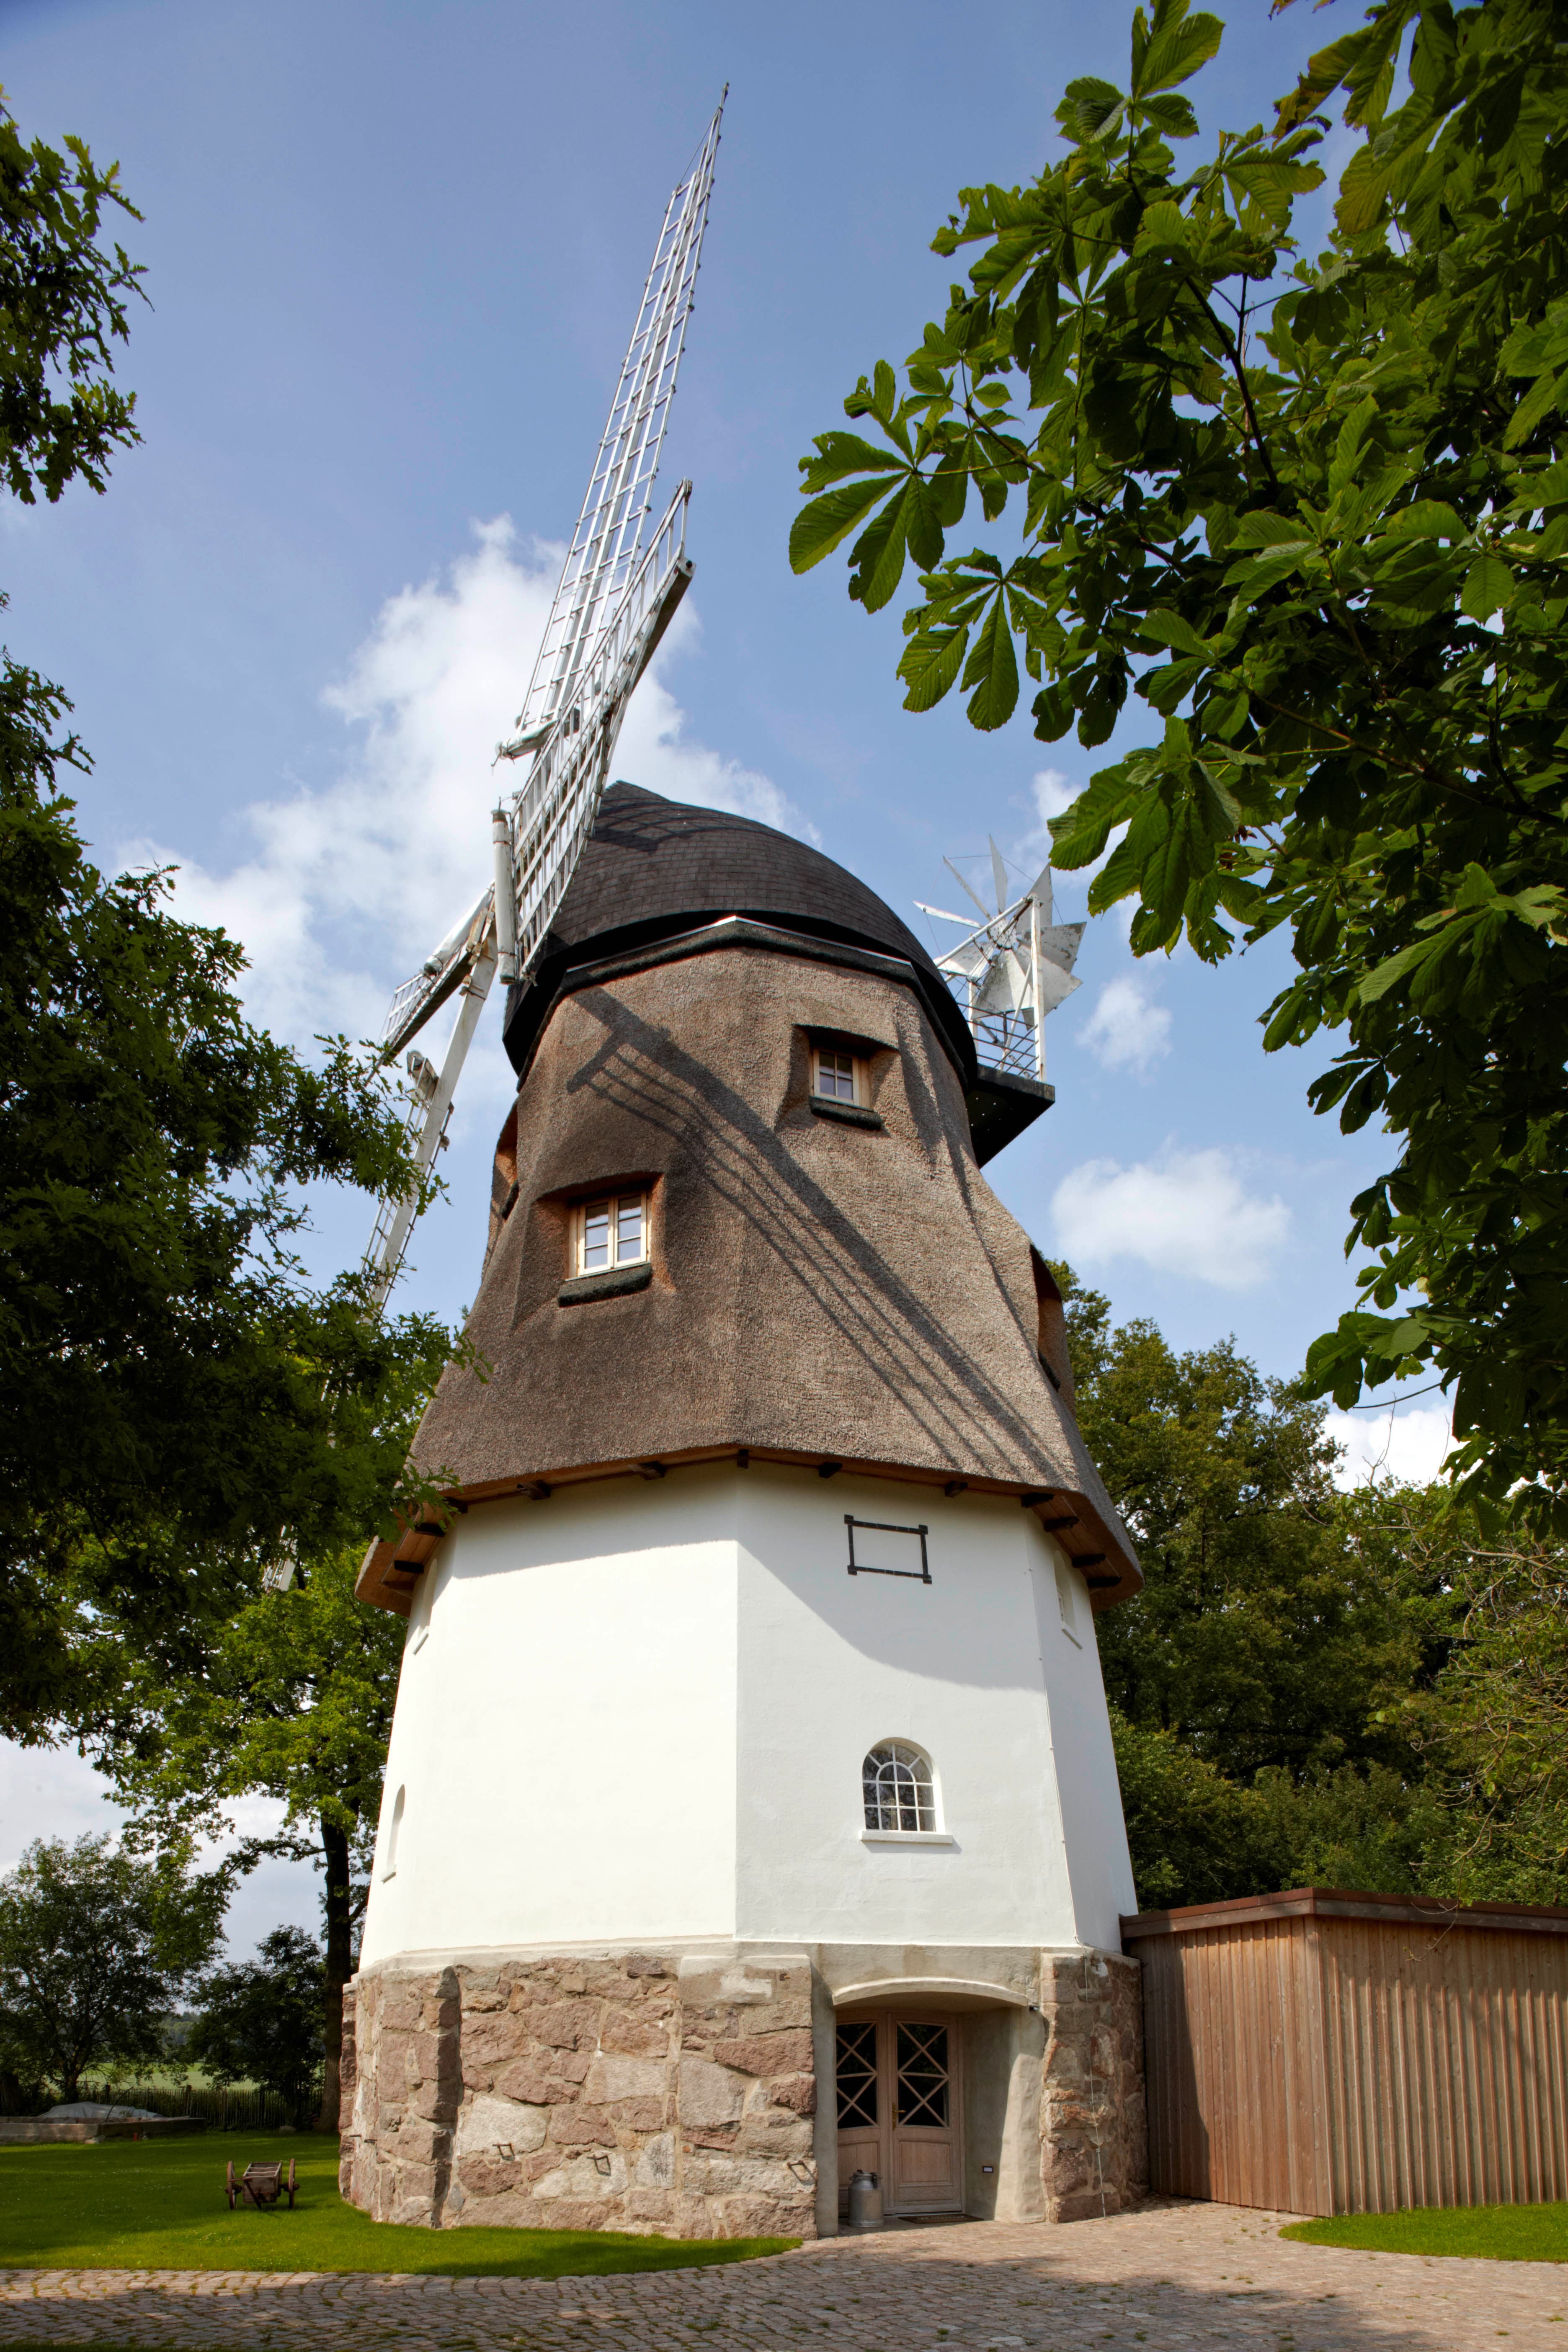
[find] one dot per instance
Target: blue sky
(394, 253)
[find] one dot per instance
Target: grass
(150, 2205)
(1498, 2233)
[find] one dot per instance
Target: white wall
(638, 1711)
(1011, 1712)
(566, 1731)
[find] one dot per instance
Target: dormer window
(610, 1234)
(837, 1076)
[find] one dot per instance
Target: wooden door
(899, 2110)
(861, 2106)
(923, 2173)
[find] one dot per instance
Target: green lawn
(1502, 2233)
(161, 2206)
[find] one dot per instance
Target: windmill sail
(603, 559)
(614, 600)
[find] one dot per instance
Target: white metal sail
(615, 601)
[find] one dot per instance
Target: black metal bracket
(887, 1528)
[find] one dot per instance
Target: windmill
(1011, 969)
(618, 590)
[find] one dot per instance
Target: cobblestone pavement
(1169, 2276)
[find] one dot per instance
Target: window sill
(612, 1283)
(908, 1837)
(850, 1114)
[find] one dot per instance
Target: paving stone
(1168, 2276)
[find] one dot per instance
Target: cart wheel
(291, 2184)
(230, 2184)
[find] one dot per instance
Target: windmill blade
(614, 600)
(968, 889)
(1039, 890)
(554, 812)
(442, 972)
(602, 556)
(998, 872)
(1059, 943)
(427, 1118)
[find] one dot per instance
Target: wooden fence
(1329, 2053)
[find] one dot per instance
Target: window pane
(857, 2076)
(897, 1784)
(596, 1237)
(630, 1231)
(835, 1075)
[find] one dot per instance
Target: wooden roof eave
(389, 1575)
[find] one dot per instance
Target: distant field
(1498, 2233)
(161, 2206)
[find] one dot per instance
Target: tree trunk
(336, 1901)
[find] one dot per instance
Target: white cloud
(1188, 1212)
(347, 887)
(1054, 795)
(1410, 1445)
(1127, 1029)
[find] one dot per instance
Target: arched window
(897, 1783)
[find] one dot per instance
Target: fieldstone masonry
(1094, 2128)
(659, 2094)
(673, 2094)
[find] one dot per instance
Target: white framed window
(1067, 1602)
(837, 1075)
(389, 1866)
(610, 1232)
(896, 1788)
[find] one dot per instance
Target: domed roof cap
(653, 869)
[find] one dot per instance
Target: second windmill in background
(1010, 970)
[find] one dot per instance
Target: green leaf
(1172, 115)
(1411, 960)
(819, 528)
(1179, 44)
(1262, 528)
(1544, 394)
(879, 552)
(1427, 518)
(992, 671)
(1489, 584)
(1167, 628)
(1089, 108)
(1080, 833)
(930, 665)
(840, 453)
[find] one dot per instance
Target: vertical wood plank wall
(1328, 2053)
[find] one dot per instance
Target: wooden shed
(1323, 2051)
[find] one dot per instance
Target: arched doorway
(937, 2095)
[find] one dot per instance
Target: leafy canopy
(177, 1405)
(94, 1945)
(1313, 1686)
(1313, 513)
(260, 2021)
(62, 304)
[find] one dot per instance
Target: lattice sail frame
(602, 557)
(614, 602)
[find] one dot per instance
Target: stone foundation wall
(1094, 2130)
(656, 2094)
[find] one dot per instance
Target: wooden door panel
(921, 2054)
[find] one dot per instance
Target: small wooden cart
(261, 2184)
